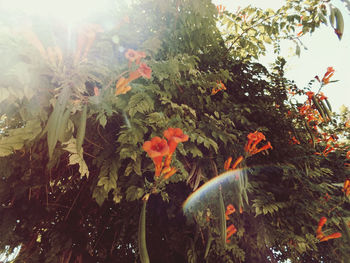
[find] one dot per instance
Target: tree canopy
(108, 128)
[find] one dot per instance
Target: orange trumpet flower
(319, 234)
(230, 209)
(230, 231)
(156, 148)
(328, 75)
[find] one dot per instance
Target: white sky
(324, 50)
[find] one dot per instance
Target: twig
(99, 239)
(246, 30)
(98, 146)
(47, 196)
(88, 154)
(75, 199)
(59, 205)
(112, 247)
(99, 133)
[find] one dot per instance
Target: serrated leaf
(140, 102)
(76, 157)
(134, 193)
(195, 151)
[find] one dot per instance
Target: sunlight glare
(66, 11)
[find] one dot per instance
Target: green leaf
(65, 129)
(76, 157)
(134, 193)
(103, 120)
(16, 138)
(128, 169)
(100, 195)
(81, 128)
(192, 148)
(140, 102)
(55, 122)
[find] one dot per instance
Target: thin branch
(89, 141)
(88, 154)
(99, 239)
(247, 29)
(75, 199)
(59, 205)
(99, 133)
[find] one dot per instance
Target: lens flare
(233, 185)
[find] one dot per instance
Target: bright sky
(324, 50)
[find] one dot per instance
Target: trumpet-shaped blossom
(220, 9)
(236, 163)
(169, 173)
(319, 234)
(122, 86)
(346, 187)
(96, 91)
(220, 86)
(328, 75)
(175, 136)
(321, 223)
(230, 209)
(327, 150)
(156, 148)
(253, 140)
(230, 231)
(227, 163)
(321, 96)
(144, 70)
(310, 94)
(133, 55)
(332, 236)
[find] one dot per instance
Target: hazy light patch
(66, 11)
